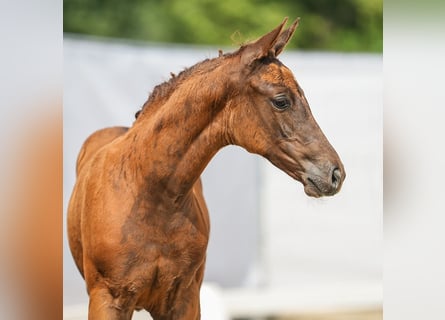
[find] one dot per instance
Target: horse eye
(281, 102)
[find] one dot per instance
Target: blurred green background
(335, 25)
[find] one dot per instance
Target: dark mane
(164, 90)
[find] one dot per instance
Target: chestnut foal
(138, 225)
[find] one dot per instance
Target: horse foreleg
(186, 301)
(186, 306)
(103, 307)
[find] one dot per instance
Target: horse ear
(263, 46)
(284, 38)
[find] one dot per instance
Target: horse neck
(170, 147)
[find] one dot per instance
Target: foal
(138, 225)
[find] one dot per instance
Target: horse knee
(103, 306)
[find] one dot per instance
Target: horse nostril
(336, 177)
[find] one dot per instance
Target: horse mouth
(311, 189)
(314, 185)
(320, 180)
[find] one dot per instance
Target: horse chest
(173, 242)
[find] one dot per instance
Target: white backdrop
(271, 248)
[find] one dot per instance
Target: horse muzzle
(319, 183)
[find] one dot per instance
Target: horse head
(270, 116)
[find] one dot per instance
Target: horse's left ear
(284, 38)
(262, 47)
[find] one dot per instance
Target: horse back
(95, 142)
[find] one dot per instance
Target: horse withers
(138, 224)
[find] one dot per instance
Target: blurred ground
(358, 315)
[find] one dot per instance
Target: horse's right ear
(263, 46)
(284, 38)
